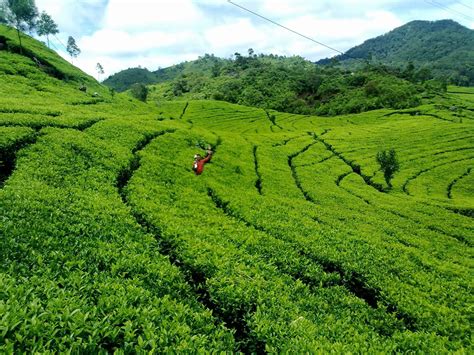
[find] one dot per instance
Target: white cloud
(330, 30)
(116, 42)
(153, 33)
(234, 34)
(74, 17)
(142, 15)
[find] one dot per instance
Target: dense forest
(445, 48)
(391, 71)
(290, 84)
(293, 85)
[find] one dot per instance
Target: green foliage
(46, 26)
(286, 244)
(11, 140)
(126, 78)
(441, 49)
(388, 163)
(35, 52)
(139, 91)
(291, 85)
(21, 14)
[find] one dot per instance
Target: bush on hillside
(388, 163)
(139, 91)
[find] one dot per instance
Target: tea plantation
(290, 241)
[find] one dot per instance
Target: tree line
(24, 16)
(293, 84)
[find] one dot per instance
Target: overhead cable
(286, 28)
(441, 6)
(460, 3)
(60, 42)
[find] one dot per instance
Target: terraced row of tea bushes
(363, 241)
(446, 225)
(319, 180)
(276, 297)
(50, 62)
(78, 273)
(461, 188)
(459, 101)
(358, 138)
(11, 140)
(448, 143)
(224, 116)
(171, 110)
(30, 97)
(419, 233)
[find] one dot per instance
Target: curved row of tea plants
(110, 243)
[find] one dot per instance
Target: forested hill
(208, 65)
(443, 47)
(126, 78)
(290, 84)
(392, 71)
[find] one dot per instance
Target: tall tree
(22, 15)
(388, 163)
(46, 26)
(100, 70)
(72, 48)
(3, 12)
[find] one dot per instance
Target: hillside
(208, 65)
(126, 78)
(444, 48)
(290, 242)
(292, 85)
(391, 71)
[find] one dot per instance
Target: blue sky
(158, 33)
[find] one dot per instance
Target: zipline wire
(441, 6)
(52, 44)
(460, 3)
(284, 27)
(60, 42)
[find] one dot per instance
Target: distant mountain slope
(444, 47)
(124, 79)
(205, 65)
(290, 84)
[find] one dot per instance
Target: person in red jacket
(199, 161)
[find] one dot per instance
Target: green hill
(291, 84)
(289, 242)
(126, 78)
(443, 49)
(206, 65)
(391, 71)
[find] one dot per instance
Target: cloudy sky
(158, 33)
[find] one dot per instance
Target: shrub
(139, 91)
(389, 163)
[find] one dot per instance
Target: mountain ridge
(444, 47)
(389, 49)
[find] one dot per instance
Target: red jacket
(199, 164)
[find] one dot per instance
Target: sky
(154, 34)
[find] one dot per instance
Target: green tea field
(290, 241)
